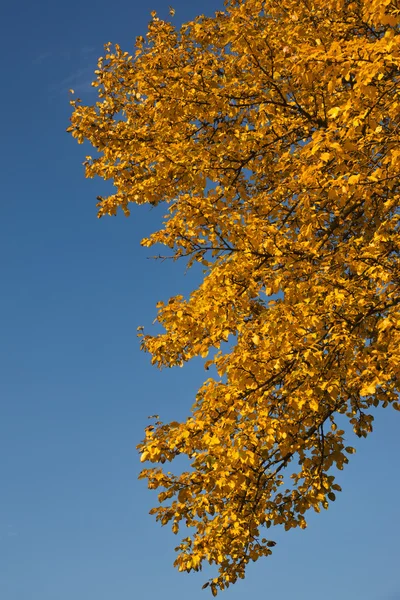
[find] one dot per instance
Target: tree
(271, 132)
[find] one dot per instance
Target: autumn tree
(271, 133)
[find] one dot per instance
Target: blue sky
(75, 390)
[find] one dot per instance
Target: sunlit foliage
(271, 133)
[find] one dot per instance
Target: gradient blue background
(75, 390)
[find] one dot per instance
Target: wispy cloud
(8, 531)
(80, 80)
(73, 63)
(66, 54)
(40, 58)
(87, 50)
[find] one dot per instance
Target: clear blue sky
(75, 390)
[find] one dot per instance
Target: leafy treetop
(271, 133)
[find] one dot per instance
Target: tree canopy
(271, 133)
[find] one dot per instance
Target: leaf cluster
(271, 133)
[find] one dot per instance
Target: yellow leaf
(368, 389)
(333, 112)
(354, 179)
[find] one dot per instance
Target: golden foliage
(271, 131)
